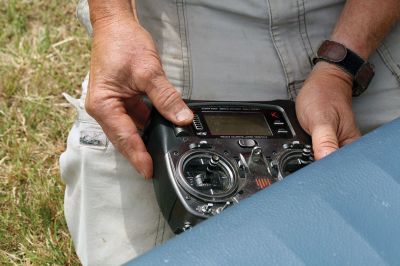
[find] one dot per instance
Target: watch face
(332, 51)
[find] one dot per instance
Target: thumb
(168, 101)
(324, 140)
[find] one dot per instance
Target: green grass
(43, 52)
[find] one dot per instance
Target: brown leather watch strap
(336, 53)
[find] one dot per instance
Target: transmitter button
(278, 123)
(282, 131)
(247, 143)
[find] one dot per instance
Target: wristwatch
(336, 53)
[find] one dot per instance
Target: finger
(124, 135)
(122, 132)
(324, 140)
(168, 101)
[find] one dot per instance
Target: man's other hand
(125, 66)
(323, 108)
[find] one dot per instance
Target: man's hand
(125, 66)
(323, 108)
(324, 103)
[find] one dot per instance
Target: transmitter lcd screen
(237, 124)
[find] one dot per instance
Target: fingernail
(183, 115)
(143, 174)
(326, 153)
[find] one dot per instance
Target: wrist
(333, 73)
(105, 13)
(349, 62)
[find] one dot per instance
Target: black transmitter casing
(229, 152)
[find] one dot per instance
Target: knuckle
(146, 73)
(327, 142)
(168, 96)
(122, 140)
(89, 106)
(92, 104)
(137, 159)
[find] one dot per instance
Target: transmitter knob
(214, 160)
(256, 154)
(213, 163)
(306, 156)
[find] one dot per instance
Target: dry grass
(43, 52)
